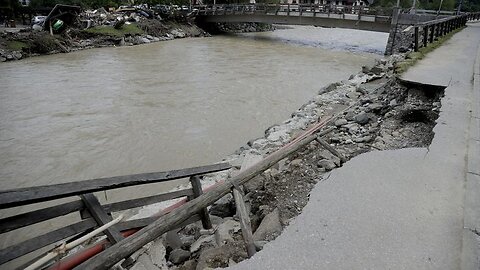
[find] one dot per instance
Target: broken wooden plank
(245, 224)
(23, 196)
(25, 219)
(101, 217)
(35, 243)
(332, 150)
(171, 220)
(197, 191)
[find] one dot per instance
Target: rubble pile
(99, 28)
(372, 111)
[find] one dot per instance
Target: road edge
(470, 257)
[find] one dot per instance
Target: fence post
(197, 191)
(425, 36)
(416, 39)
(432, 29)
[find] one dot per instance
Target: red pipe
(79, 257)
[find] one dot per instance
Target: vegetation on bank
(413, 57)
(107, 30)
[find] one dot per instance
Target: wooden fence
(427, 32)
(92, 213)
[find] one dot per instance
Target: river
(167, 105)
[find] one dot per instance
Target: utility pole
(459, 7)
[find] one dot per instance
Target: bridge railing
(289, 9)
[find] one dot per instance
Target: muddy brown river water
(168, 105)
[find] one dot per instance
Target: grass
(127, 29)
(15, 45)
(413, 57)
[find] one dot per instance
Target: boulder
(172, 240)
(224, 207)
(341, 122)
(224, 232)
(269, 228)
(203, 241)
(326, 164)
(178, 256)
(361, 118)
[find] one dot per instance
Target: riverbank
(370, 111)
(28, 42)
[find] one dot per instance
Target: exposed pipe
(64, 247)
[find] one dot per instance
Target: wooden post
(101, 217)
(432, 30)
(197, 192)
(288, 9)
(425, 36)
(416, 39)
(245, 224)
(167, 222)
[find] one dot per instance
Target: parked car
(38, 20)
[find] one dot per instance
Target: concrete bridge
(299, 14)
(407, 31)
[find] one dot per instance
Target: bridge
(406, 31)
(299, 14)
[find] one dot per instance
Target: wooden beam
(197, 191)
(35, 243)
(332, 150)
(245, 224)
(25, 219)
(171, 220)
(101, 217)
(23, 196)
(142, 222)
(119, 206)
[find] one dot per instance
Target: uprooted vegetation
(373, 111)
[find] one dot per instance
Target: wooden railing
(289, 10)
(427, 32)
(92, 213)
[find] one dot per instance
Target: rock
(203, 241)
(326, 164)
(296, 162)
(156, 39)
(17, 55)
(220, 257)
(225, 207)
(224, 232)
(149, 37)
(361, 89)
(341, 122)
(259, 245)
(329, 88)
(172, 240)
(187, 240)
(177, 33)
(365, 69)
(269, 228)
(361, 118)
(9, 57)
(377, 70)
(3, 59)
(152, 258)
(188, 265)
(192, 229)
(178, 256)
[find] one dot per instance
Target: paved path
(401, 209)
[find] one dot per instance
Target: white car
(38, 20)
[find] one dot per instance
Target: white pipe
(64, 247)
